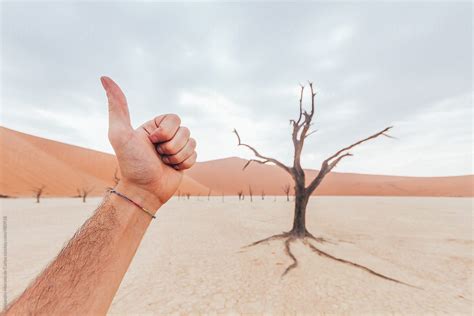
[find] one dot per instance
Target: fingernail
(104, 82)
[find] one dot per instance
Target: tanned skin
(86, 274)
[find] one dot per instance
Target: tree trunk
(37, 199)
(299, 221)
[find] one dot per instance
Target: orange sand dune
(226, 176)
(27, 162)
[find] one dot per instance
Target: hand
(151, 158)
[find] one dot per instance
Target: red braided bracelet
(133, 202)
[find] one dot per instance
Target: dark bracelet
(133, 202)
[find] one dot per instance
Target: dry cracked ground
(192, 259)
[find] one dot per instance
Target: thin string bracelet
(133, 202)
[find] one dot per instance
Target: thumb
(119, 117)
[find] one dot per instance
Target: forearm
(86, 274)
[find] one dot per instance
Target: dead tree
(84, 192)
(188, 195)
(241, 195)
(209, 195)
(39, 192)
(250, 193)
(116, 177)
(263, 194)
(287, 189)
(300, 132)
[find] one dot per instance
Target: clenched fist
(151, 158)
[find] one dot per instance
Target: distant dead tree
(209, 195)
(39, 192)
(222, 197)
(300, 131)
(179, 195)
(250, 193)
(188, 195)
(286, 188)
(116, 177)
(240, 194)
(263, 194)
(84, 192)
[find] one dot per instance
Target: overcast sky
(239, 65)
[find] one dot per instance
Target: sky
(240, 65)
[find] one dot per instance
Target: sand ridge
(28, 162)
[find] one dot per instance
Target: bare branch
(382, 132)
(312, 99)
(312, 132)
(258, 155)
(301, 106)
(39, 189)
(335, 162)
(286, 188)
(389, 136)
(254, 160)
(84, 192)
(308, 118)
(329, 163)
(39, 192)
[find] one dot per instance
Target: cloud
(226, 65)
(426, 142)
(341, 35)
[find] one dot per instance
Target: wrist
(142, 197)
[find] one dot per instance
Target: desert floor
(192, 260)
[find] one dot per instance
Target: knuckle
(172, 159)
(166, 133)
(178, 158)
(175, 118)
(165, 147)
(171, 149)
(192, 143)
(187, 152)
(185, 131)
(183, 165)
(157, 120)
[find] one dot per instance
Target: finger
(188, 163)
(182, 155)
(166, 129)
(119, 117)
(153, 124)
(176, 144)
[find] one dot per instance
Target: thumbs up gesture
(151, 157)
